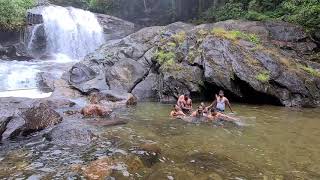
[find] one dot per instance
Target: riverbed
(271, 143)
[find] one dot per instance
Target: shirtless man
(198, 112)
(220, 103)
(215, 116)
(185, 103)
(176, 112)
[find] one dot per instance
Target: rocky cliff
(252, 61)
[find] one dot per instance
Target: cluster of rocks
(250, 60)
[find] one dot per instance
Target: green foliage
(180, 37)
(234, 35)
(228, 11)
(104, 6)
(165, 58)
(302, 12)
(13, 13)
(263, 76)
(310, 70)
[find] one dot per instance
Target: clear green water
(273, 143)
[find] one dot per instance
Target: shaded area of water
(273, 143)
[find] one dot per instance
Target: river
(272, 143)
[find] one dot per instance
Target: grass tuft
(263, 76)
(235, 35)
(310, 70)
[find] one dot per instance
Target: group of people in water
(213, 112)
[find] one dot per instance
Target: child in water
(176, 112)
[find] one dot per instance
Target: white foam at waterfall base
(70, 31)
(18, 79)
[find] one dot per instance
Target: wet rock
(16, 123)
(45, 82)
(115, 28)
(147, 89)
(87, 79)
(95, 110)
(99, 169)
(63, 90)
(11, 53)
(70, 135)
(149, 154)
(57, 103)
(151, 148)
(37, 118)
(124, 74)
(134, 163)
(3, 125)
(118, 97)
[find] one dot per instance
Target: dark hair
(186, 97)
(213, 110)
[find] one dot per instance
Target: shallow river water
(271, 143)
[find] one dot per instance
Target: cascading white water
(71, 34)
(32, 37)
(70, 31)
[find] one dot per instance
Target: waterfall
(66, 35)
(32, 37)
(70, 31)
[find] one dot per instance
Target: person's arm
(227, 118)
(212, 105)
(228, 104)
(180, 113)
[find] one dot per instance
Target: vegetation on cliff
(13, 13)
(305, 13)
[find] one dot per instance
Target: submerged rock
(70, 135)
(242, 57)
(148, 153)
(99, 169)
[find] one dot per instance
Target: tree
(13, 13)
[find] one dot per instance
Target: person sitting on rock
(94, 109)
(220, 102)
(176, 112)
(217, 116)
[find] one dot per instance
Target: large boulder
(115, 28)
(37, 118)
(254, 61)
(67, 134)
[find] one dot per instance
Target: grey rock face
(164, 62)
